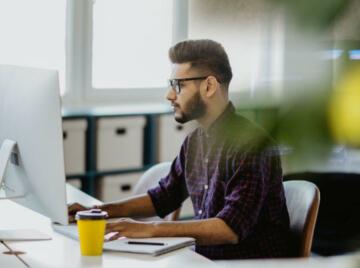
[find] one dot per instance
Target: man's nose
(171, 94)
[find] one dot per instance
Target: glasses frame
(175, 83)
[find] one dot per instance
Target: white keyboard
(67, 230)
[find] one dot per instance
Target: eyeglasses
(175, 83)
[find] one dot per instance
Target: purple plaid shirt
(231, 172)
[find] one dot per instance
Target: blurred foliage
(316, 112)
(312, 123)
(302, 124)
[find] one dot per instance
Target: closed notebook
(153, 246)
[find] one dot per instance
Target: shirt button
(200, 212)
(206, 186)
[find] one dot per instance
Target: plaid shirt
(231, 172)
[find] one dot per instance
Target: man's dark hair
(205, 55)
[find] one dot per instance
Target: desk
(62, 251)
(9, 260)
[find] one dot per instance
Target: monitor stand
(6, 154)
(6, 151)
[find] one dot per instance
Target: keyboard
(67, 230)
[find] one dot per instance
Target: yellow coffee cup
(91, 228)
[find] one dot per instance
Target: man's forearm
(213, 231)
(137, 206)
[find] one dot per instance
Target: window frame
(79, 89)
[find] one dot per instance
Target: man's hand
(73, 208)
(202, 230)
(130, 228)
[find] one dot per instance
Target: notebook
(153, 246)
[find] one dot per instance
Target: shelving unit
(90, 177)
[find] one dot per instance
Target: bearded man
(228, 166)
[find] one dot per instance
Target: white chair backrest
(149, 180)
(151, 177)
(302, 200)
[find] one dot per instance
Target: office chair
(302, 200)
(149, 180)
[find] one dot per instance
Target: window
(117, 50)
(110, 50)
(33, 34)
(130, 43)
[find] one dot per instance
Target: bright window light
(131, 39)
(33, 34)
(354, 54)
(332, 54)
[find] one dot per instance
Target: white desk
(9, 260)
(65, 252)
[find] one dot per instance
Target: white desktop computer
(31, 148)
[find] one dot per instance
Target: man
(228, 167)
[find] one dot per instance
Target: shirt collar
(221, 120)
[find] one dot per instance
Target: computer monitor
(31, 154)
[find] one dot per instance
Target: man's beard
(194, 109)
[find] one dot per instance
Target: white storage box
(119, 186)
(74, 182)
(120, 142)
(74, 133)
(171, 136)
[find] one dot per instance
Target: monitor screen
(30, 116)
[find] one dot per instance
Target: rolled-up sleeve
(171, 191)
(245, 193)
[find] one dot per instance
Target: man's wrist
(104, 208)
(155, 228)
(114, 210)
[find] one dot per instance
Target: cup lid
(92, 214)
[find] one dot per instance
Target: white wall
(252, 36)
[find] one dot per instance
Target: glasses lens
(174, 84)
(177, 86)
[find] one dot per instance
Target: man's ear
(212, 86)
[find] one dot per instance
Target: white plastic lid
(92, 214)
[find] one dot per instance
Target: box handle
(179, 127)
(121, 131)
(64, 135)
(125, 187)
